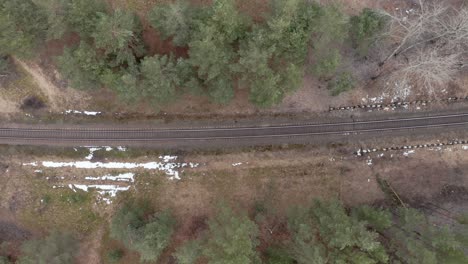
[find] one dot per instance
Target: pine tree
(149, 237)
(326, 233)
(232, 239)
(82, 66)
(415, 240)
(160, 79)
(174, 20)
(22, 27)
(118, 35)
(83, 16)
(57, 13)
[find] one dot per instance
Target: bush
(57, 248)
(343, 82)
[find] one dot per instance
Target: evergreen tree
(364, 28)
(415, 240)
(57, 13)
(22, 27)
(82, 66)
(160, 79)
(378, 219)
(83, 15)
(329, 34)
(326, 233)
(232, 239)
(57, 248)
(174, 20)
(119, 36)
(212, 51)
(148, 237)
(154, 236)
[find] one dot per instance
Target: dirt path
(58, 98)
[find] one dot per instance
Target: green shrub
(343, 82)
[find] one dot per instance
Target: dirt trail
(7, 107)
(58, 98)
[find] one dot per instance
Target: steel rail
(85, 134)
(209, 129)
(253, 136)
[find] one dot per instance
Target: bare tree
(431, 44)
(428, 69)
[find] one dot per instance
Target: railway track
(272, 133)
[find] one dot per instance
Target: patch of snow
(407, 153)
(88, 113)
(168, 158)
(122, 149)
(38, 171)
(237, 164)
(125, 177)
(93, 149)
(465, 147)
(170, 168)
(369, 161)
(103, 190)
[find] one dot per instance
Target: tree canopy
(148, 236)
(232, 239)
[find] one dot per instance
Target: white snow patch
(103, 190)
(125, 177)
(465, 147)
(369, 161)
(170, 168)
(407, 153)
(93, 149)
(88, 113)
(237, 164)
(38, 171)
